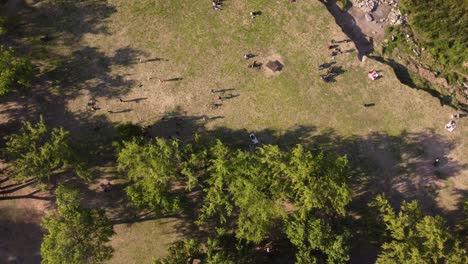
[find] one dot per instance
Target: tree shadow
(11, 188)
(20, 241)
(68, 19)
(90, 68)
(59, 77)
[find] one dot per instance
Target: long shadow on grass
(69, 20)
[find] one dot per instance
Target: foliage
(38, 151)
(211, 252)
(3, 25)
(152, 168)
(13, 70)
(397, 38)
(182, 252)
(244, 183)
(343, 4)
(415, 238)
(318, 182)
(442, 26)
(309, 234)
(243, 193)
(75, 234)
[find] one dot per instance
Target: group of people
(255, 64)
(329, 75)
(334, 48)
(217, 5)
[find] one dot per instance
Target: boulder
(368, 17)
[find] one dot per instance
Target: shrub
(14, 71)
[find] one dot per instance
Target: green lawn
(96, 52)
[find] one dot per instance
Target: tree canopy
(37, 151)
(245, 194)
(416, 238)
(75, 234)
(152, 168)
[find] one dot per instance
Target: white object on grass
(253, 138)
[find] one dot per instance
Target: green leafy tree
(310, 235)
(75, 234)
(211, 252)
(318, 189)
(242, 188)
(37, 152)
(318, 182)
(184, 251)
(152, 169)
(14, 71)
(243, 194)
(3, 25)
(415, 238)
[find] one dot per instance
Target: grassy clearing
(95, 55)
(141, 242)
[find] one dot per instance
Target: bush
(3, 25)
(441, 26)
(14, 71)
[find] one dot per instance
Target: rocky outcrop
(369, 5)
(394, 17)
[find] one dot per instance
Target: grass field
(105, 50)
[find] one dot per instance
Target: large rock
(368, 17)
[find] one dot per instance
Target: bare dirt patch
(272, 57)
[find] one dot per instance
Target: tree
(212, 251)
(37, 152)
(75, 234)
(318, 182)
(415, 238)
(243, 194)
(310, 235)
(242, 188)
(3, 25)
(152, 169)
(13, 70)
(317, 186)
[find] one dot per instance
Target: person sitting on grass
(255, 65)
(450, 126)
(373, 75)
(254, 14)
